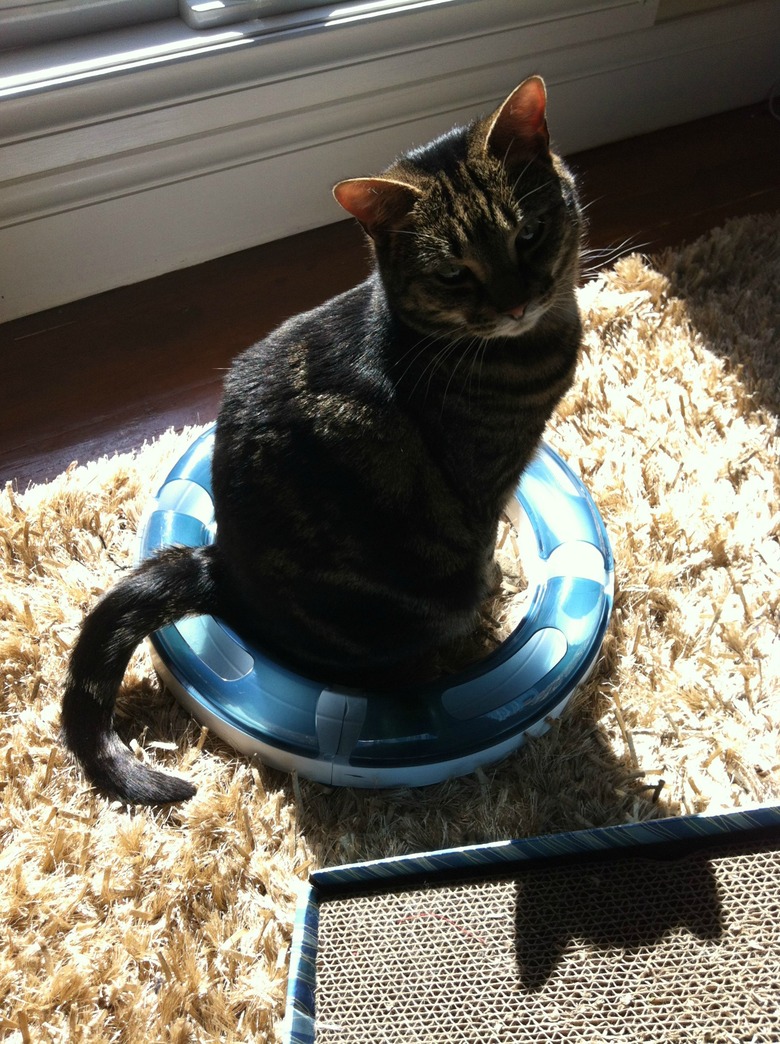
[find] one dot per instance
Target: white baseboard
(112, 180)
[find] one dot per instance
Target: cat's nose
(517, 312)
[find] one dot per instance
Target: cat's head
(477, 233)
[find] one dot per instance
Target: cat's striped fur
(364, 450)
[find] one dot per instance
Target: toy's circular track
(350, 738)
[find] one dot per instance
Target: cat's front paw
(494, 575)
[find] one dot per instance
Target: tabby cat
(364, 450)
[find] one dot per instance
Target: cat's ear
(377, 203)
(517, 130)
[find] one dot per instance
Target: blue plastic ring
(448, 728)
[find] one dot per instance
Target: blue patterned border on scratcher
(299, 1027)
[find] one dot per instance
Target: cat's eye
(452, 273)
(531, 231)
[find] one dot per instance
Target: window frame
(339, 27)
(234, 140)
(31, 23)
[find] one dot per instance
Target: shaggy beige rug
(174, 925)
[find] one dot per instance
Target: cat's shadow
(613, 907)
(612, 910)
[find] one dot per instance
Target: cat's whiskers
(436, 362)
(520, 176)
(586, 206)
(531, 192)
(466, 351)
(477, 364)
(438, 241)
(417, 349)
(559, 306)
(603, 257)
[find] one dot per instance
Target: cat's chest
(444, 468)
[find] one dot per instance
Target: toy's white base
(339, 774)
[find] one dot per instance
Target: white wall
(111, 177)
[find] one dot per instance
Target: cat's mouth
(519, 320)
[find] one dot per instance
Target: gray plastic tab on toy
(339, 719)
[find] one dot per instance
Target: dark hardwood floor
(104, 374)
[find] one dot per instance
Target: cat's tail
(178, 582)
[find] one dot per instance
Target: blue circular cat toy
(448, 728)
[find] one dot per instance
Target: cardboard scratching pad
(647, 944)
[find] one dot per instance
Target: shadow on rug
(174, 925)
